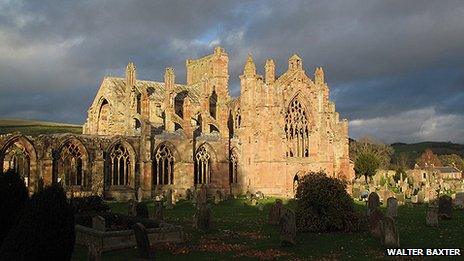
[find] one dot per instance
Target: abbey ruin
(158, 135)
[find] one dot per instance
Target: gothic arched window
(17, 159)
(71, 158)
(120, 166)
(163, 166)
(202, 166)
(297, 130)
(103, 118)
(139, 103)
(233, 168)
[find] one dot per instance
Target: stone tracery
(202, 166)
(163, 166)
(297, 130)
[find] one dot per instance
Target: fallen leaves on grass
(216, 246)
(267, 254)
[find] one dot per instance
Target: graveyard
(241, 231)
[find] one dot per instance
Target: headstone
(202, 195)
(414, 199)
(139, 194)
(275, 212)
(431, 218)
(459, 200)
(203, 218)
(356, 192)
(390, 235)
(373, 202)
(132, 208)
(375, 223)
(259, 195)
(98, 223)
(141, 210)
(169, 199)
(445, 207)
(143, 245)
(158, 212)
(93, 253)
(254, 202)
(392, 207)
(188, 194)
(420, 197)
(217, 197)
(287, 227)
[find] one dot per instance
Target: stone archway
(19, 154)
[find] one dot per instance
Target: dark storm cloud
(386, 62)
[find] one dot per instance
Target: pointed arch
(103, 116)
(297, 129)
(120, 165)
(72, 163)
(164, 159)
(233, 166)
(203, 159)
(213, 104)
(18, 153)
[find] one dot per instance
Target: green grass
(35, 128)
(243, 230)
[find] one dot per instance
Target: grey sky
(395, 68)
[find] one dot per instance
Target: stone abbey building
(158, 135)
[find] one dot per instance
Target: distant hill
(35, 128)
(414, 150)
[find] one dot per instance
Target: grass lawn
(35, 130)
(241, 232)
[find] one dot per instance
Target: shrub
(13, 197)
(44, 231)
(323, 205)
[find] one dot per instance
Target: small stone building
(159, 135)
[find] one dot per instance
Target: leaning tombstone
(169, 199)
(158, 211)
(203, 218)
(143, 245)
(445, 207)
(392, 207)
(132, 208)
(431, 218)
(373, 202)
(139, 194)
(275, 212)
(390, 237)
(375, 223)
(287, 227)
(98, 223)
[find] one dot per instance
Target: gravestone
(287, 227)
(373, 202)
(98, 223)
(390, 237)
(275, 212)
(143, 245)
(254, 202)
(431, 218)
(141, 210)
(202, 195)
(169, 199)
(139, 194)
(259, 195)
(356, 192)
(445, 207)
(392, 207)
(420, 197)
(414, 199)
(158, 212)
(132, 208)
(93, 253)
(375, 223)
(188, 194)
(217, 197)
(203, 218)
(459, 200)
